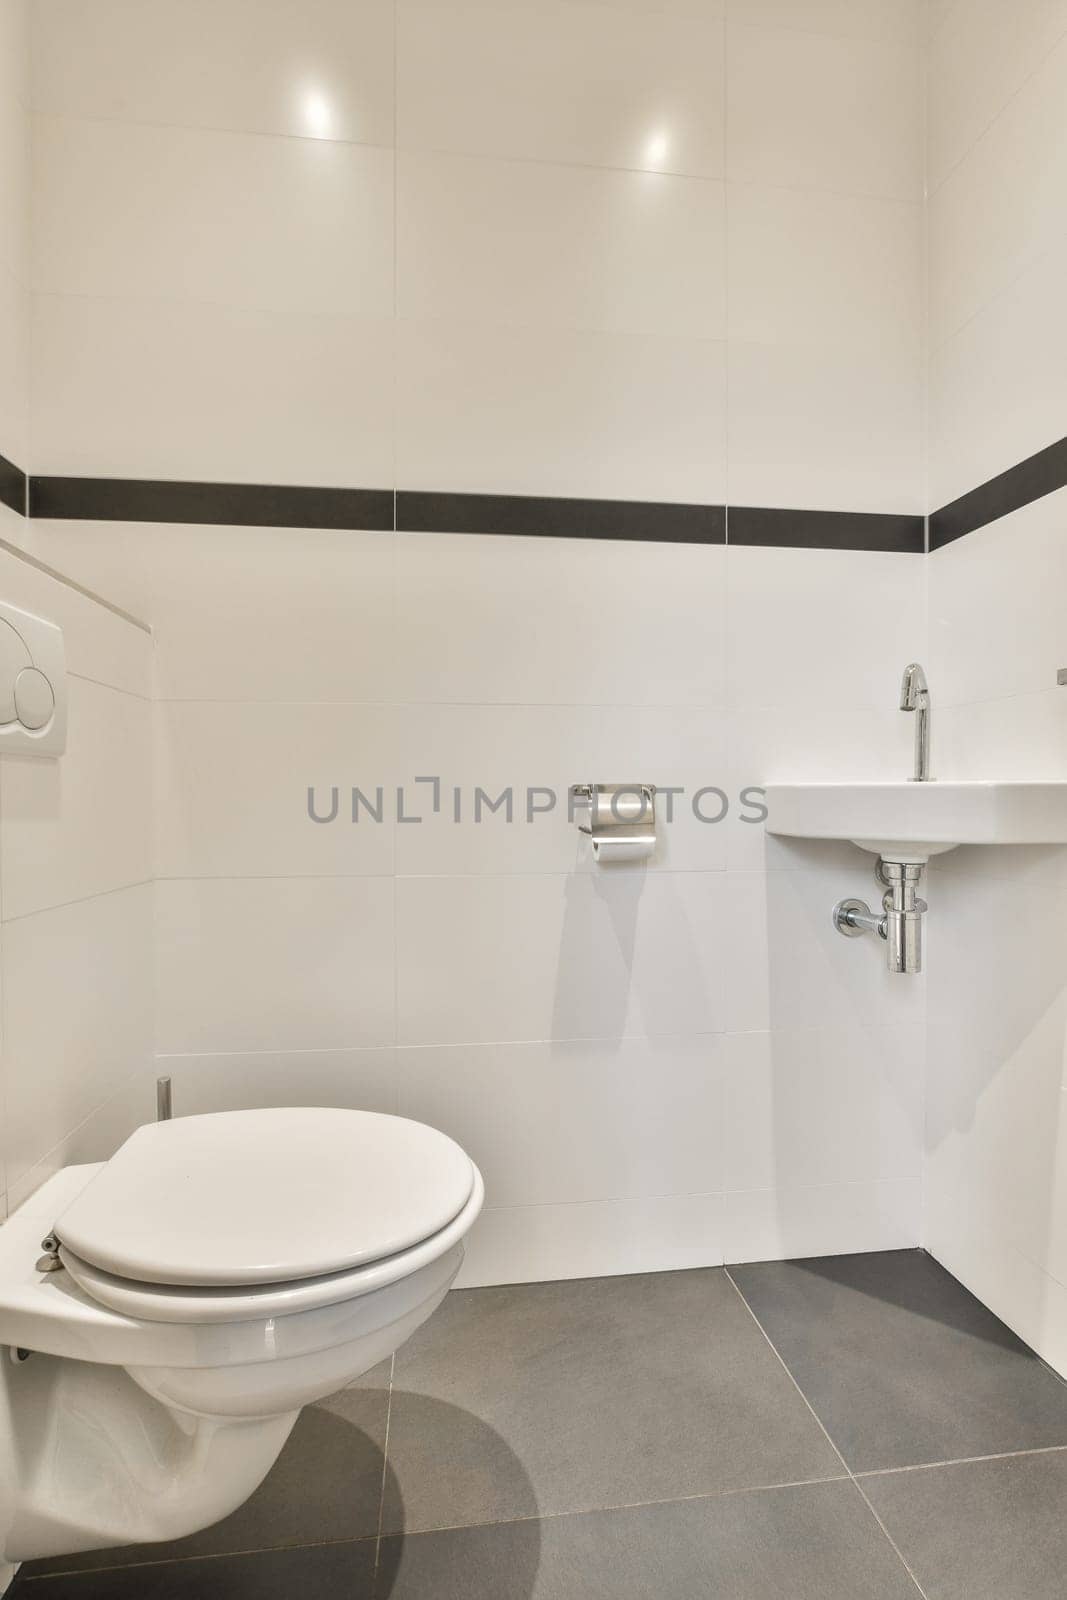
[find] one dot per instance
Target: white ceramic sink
(913, 821)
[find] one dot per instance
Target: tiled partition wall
(14, 260)
(996, 1159)
(648, 252)
(75, 837)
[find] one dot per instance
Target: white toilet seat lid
(271, 1196)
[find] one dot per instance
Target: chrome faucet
(915, 696)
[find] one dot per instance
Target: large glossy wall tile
(100, 790)
(995, 585)
(555, 957)
(268, 614)
(548, 80)
(228, 806)
(274, 964)
(533, 410)
(632, 624)
(77, 1014)
(190, 65)
(313, 231)
(578, 1120)
(548, 246)
(823, 111)
(996, 212)
(980, 55)
(251, 395)
(537, 752)
(15, 232)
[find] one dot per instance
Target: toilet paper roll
(624, 844)
(616, 805)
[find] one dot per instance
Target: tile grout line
(962, 1461)
(385, 1467)
(851, 1475)
(453, 1527)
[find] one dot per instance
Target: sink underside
(913, 821)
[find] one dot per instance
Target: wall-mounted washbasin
(913, 821)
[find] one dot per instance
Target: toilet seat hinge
(50, 1261)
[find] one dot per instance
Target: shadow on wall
(997, 1043)
(629, 960)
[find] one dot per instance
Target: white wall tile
(813, 111)
(996, 385)
(359, 1080)
(99, 645)
(281, 615)
(526, 1244)
(812, 1106)
(149, 212)
(98, 1136)
(1021, 736)
(273, 964)
(149, 61)
(785, 964)
(80, 825)
(77, 1014)
(528, 748)
(232, 782)
(579, 1121)
(553, 957)
(991, 587)
(980, 56)
(236, 377)
(632, 623)
(527, 244)
(999, 210)
(635, 88)
(898, 20)
(834, 429)
(785, 607)
(784, 1224)
(14, 368)
(798, 744)
(822, 270)
(14, 139)
(511, 410)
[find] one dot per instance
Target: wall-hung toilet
(218, 1273)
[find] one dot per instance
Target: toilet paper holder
(622, 819)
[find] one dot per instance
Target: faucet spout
(915, 696)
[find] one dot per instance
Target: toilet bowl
(216, 1275)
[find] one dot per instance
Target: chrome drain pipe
(901, 922)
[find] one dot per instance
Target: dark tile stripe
(824, 530)
(1029, 480)
(12, 486)
(556, 518)
(250, 504)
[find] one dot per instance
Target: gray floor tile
(818, 1542)
(549, 1397)
(325, 1485)
(985, 1530)
(321, 1572)
(901, 1363)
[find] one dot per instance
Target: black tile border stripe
(825, 530)
(13, 486)
(245, 504)
(546, 516)
(1028, 480)
(541, 516)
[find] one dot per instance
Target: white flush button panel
(33, 685)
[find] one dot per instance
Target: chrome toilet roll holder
(622, 819)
